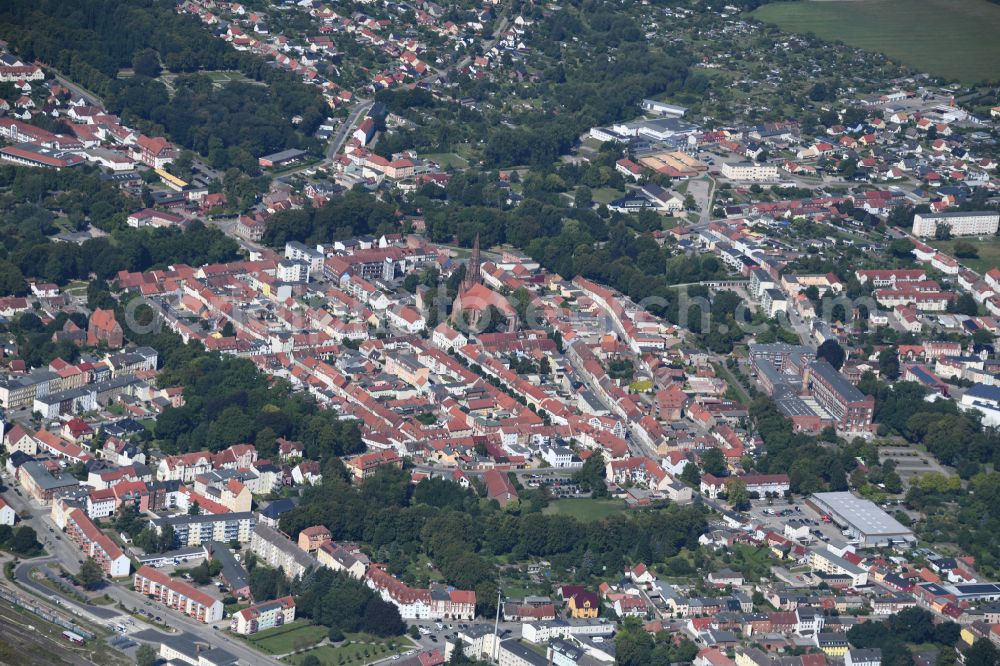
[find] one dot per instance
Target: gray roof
(861, 514)
(838, 382)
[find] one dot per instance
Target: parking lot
(776, 515)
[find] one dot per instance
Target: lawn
(294, 636)
(605, 195)
(349, 653)
(587, 510)
(448, 160)
(988, 250)
(951, 38)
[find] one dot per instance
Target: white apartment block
(750, 171)
(983, 223)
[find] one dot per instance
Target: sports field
(957, 39)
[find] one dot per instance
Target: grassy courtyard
(294, 636)
(951, 38)
(587, 510)
(357, 649)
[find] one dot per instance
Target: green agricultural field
(988, 251)
(951, 38)
(294, 636)
(587, 510)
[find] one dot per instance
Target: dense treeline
(596, 88)
(461, 534)
(90, 41)
(28, 199)
(953, 436)
(353, 214)
(912, 626)
(810, 466)
(229, 401)
(331, 599)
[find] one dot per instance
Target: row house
(95, 544)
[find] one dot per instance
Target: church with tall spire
(475, 299)
(474, 269)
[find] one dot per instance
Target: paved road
(361, 108)
(77, 91)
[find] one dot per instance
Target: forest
(91, 41)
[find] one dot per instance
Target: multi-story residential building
(850, 408)
(178, 595)
(7, 514)
(764, 485)
(198, 529)
(826, 562)
(296, 251)
(338, 558)
(981, 223)
(18, 392)
(278, 551)
(751, 171)
(863, 657)
(94, 543)
(364, 466)
(40, 484)
(436, 603)
(265, 615)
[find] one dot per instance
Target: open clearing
(587, 510)
(282, 640)
(951, 38)
(988, 251)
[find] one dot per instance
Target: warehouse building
(863, 519)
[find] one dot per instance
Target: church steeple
(473, 271)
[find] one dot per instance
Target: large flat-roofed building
(981, 223)
(863, 519)
(851, 409)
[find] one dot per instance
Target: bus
(73, 637)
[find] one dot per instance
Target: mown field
(587, 509)
(958, 39)
(988, 251)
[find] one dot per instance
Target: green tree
(90, 575)
(145, 655)
(832, 352)
(691, 475)
(24, 541)
(888, 363)
(591, 475)
(146, 63)
(737, 494)
(982, 653)
(713, 462)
